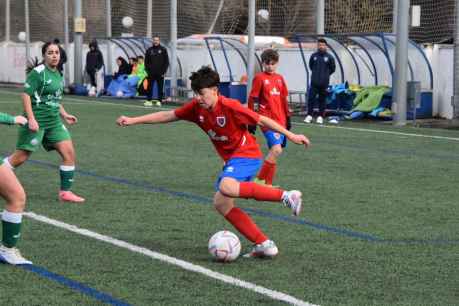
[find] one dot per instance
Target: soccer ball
(22, 36)
(263, 14)
(224, 246)
(127, 22)
(119, 93)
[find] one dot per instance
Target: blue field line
(258, 212)
(77, 286)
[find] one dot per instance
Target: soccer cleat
(267, 249)
(158, 103)
(147, 104)
(12, 256)
(68, 196)
(292, 200)
(308, 119)
(320, 120)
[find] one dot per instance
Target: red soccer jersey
(226, 126)
(271, 91)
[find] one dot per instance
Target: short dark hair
(205, 77)
(322, 40)
(270, 55)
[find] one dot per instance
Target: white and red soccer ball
(224, 246)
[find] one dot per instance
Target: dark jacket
(94, 58)
(322, 65)
(124, 68)
(156, 61)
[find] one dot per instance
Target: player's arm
(273, 125)
(70, 119)
(153, 118)
(27, 104)
(8, 119)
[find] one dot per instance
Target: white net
(353, 16)
(274, 17)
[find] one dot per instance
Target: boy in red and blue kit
(270, 92)
(225, 122)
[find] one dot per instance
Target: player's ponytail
(32, 63)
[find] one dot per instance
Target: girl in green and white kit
(42, 97)
(13, 193)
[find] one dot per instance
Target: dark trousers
(160, 81)
(92, 77)
(321, 92)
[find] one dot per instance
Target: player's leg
(67, 171)
(14, 195)
(27, 143)
(230, 187)
(58, 138)
(17, 158)
(245, 225)
(268, 170)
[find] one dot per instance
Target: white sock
(11, 217)
(67, 168)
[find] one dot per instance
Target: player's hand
(20, 120)
(288, 125)
(70, 119)
(123, 121)
(252, 129)
(300, 139)
(33, 125)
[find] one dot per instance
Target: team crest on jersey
(326, 59)
(201, 118)
(274, 92)
(221, 121)
(277, 135)
(267, 82)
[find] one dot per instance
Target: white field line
(378, 131)
(276, 295)
(95, 102)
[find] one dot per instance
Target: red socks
(267, 172)
(251, 190)
(244, 224)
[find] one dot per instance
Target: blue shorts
(240, 168)
(275, 138)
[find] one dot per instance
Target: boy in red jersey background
(270, 92)
(225, 122)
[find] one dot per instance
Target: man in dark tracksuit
(156, 65)
(322, 65)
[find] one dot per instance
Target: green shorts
(47, 137)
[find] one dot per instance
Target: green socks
(67, 173)
(11, 224)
